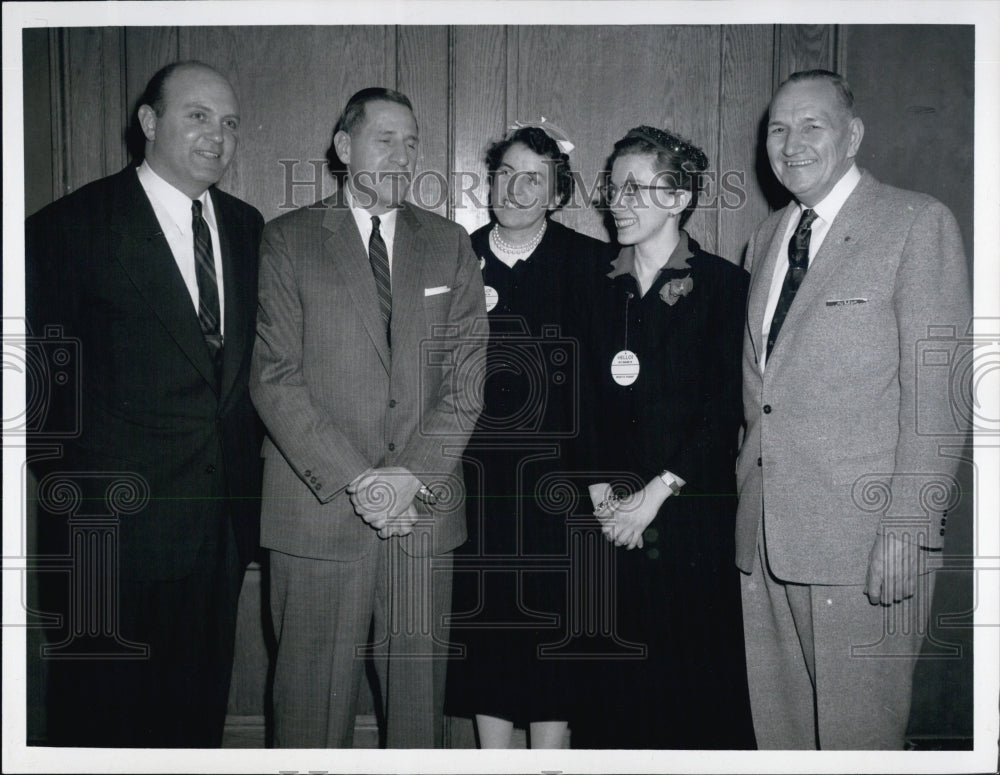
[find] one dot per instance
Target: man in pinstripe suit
(362, 374)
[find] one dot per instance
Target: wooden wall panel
(743, 98)
(479, 109)
(422, 70)
(147, 49)
(88, 106)
(597, 82)
(292, 84)
(804, 47)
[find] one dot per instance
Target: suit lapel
(141, 248)
(843, 240)
(344, 250)
(406, 272)
(762, 273)
(237, 296)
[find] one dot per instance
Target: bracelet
(610, 503)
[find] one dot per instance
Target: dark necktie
(378, 255)
(798, 263)
(208, 286)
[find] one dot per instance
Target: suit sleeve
(460, 353)
(303, 433)
(932, 289)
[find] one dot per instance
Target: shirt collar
(828, 208)
(176, 203)
(625, 262)
(387, 220)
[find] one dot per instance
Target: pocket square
(436, 290)
(845, 302)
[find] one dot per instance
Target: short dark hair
(679, 159)
(155, 95)
(536, 140)
(836, 80)
(354, 113)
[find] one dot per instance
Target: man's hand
(892, 569)
(382, 496)
(401, 525)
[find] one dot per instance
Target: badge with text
(492, 297)
(625, 367)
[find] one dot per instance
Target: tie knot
(806, 221)
(196, 208)
(375, 222)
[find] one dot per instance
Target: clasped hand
(383, 498)
(624, 521)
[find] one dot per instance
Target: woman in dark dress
(667, 409)
(509, 599)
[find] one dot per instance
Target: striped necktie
(378, 255)
(208, 286)
(798, 263)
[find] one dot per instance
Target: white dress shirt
(363, 218)
(826, 211)
(173, 211)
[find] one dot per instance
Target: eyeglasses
(631, 191)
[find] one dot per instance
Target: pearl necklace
(502, 246)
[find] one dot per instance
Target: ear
(682, 198)
(342, 145)
(857, 131)
(147, 121)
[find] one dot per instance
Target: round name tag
(492, 297)
(625, 367)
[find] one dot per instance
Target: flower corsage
(675, 289)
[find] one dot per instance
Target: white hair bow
(557, 134)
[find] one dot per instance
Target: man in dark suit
(153, 272)
(364, 375)
(835, 531)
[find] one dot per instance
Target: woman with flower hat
(540, 277)
(666, 410)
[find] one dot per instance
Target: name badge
(625, 367)
(492, 297)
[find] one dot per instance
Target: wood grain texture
(89, 111)
(598, 82)
(804, 47)
(479, 107)
(422, 74)
(292, 83)
(743, 99)
(147, 49)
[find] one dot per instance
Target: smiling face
(523, 188)
(380, 154)
(192, 141)
(645, 206)
(811, 139)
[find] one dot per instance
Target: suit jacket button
(210, 469)
(943, 522)
(392, 403)
(308, 472)
(767, 408)
(392, 446)
(758, 463)
(318, 486)
(941, 531)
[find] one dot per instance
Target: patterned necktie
(378, 255)
(798, 263)
(208, 287)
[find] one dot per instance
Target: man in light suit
(364, 375)
(832, 529)
(153, 271)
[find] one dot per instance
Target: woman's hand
(632, 515)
